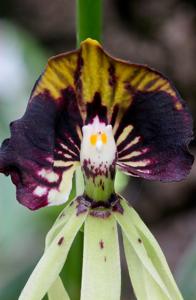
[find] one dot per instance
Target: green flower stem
(54, 257)
(89, 20)
(101, 276)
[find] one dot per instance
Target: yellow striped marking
(135, 164)
(79, 132)
(131, 155)
(132, 143)
(126, 131)
(61, 163)
(95, 76)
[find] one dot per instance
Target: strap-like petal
(101, 278)
(147, 265)
(54, 257)
(57, 291)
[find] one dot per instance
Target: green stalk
(89, 25)
(89, 20)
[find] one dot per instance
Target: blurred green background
(161, 34)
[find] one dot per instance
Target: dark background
(161, 34)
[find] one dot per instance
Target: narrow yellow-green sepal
(101, 277)
(148, 269)
(53, 259)
(145, 287)
(57, 291)
(155, 253)
(60, 222)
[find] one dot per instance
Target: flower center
(98, 159)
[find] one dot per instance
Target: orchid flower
(91, 111)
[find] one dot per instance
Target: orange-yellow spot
(178, 105)
(93, 139)
(104, 138)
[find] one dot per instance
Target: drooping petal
(101, 278)
(48, 268)
(57, 291)
(58, 225)
(146, 262)
(141, 277)
(154, 251)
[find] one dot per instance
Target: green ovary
(99, 188)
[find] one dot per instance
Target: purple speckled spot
(101, 244)
(103, 214)
(60, 241)
(112, 77)
(102, 170)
